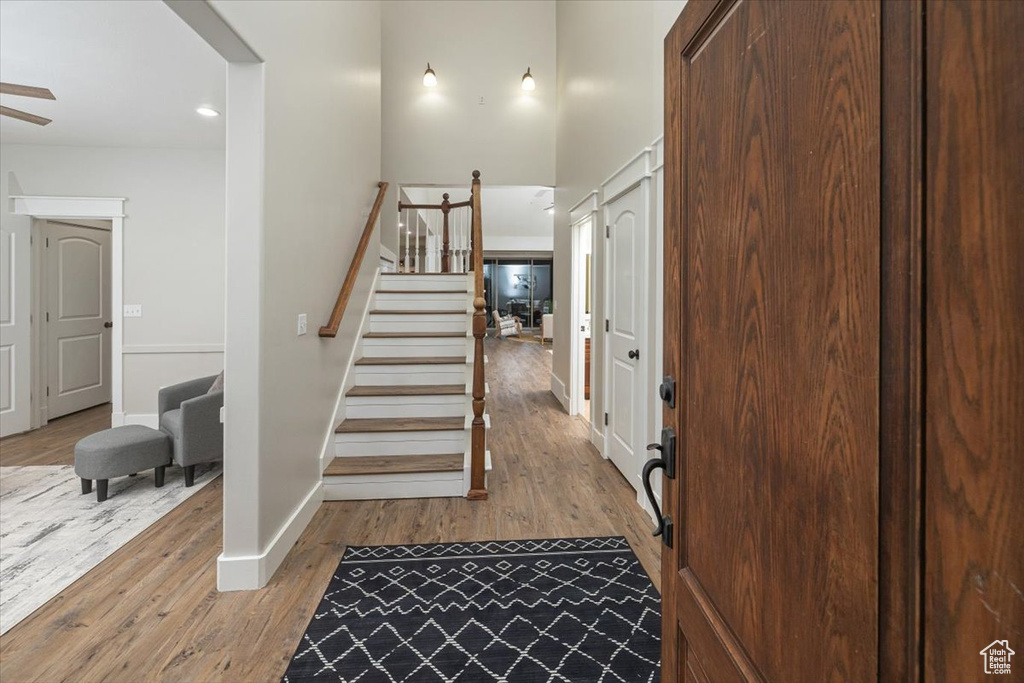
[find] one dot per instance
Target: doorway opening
(582, 305)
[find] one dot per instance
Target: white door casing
(77, 265)
(15, 327)
(582, 225)
(626, 256)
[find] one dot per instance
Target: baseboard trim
(597, 438)
(558, 389)
(251, 572)
(151, 420)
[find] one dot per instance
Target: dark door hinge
(47, 242)
(606, 419)
(47, 316)
(47, 391)
(607, 231)
(606, 325)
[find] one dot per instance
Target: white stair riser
(377, 487)
(425, 283)
(409, 375)
(418, 323)
(428, 301)
(414, 347)
(401, 443)
(406, 406)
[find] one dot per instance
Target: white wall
(440, 135)
(610, 99)
(321, 165)
(515, 218)
(173, 249)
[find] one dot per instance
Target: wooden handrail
(477, 471)
(331, 328)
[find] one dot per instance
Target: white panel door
(624, 393)
(78, 333)
(15, 327)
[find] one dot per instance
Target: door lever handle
(664, 523)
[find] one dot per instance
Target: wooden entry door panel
(774, 135)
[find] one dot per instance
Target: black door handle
(108, 325)
(666, 462)
(634, 354)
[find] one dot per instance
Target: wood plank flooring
(54, 444)
(151, 612)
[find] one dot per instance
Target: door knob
(634, 354)
(108, 325)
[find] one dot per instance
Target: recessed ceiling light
(207, 111)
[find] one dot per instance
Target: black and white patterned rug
(566, 609)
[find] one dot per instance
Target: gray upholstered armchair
(191, 416)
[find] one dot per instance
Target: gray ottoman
(118, 452)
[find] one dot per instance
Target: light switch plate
(133, 310)
(302, 324)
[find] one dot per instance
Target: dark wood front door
(844, 306)
(772, 330)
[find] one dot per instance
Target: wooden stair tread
(400, 424)
(421, 291)
(411, 335)
(395, 464)
(409, 390)
(413, 360)
(419, 312)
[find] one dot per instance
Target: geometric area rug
(564, 609)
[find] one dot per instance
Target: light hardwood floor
(54, 444)
(152, 611)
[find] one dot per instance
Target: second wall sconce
(429, 77)
(528, 82)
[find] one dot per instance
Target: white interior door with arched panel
(627, 194)
(79, 321)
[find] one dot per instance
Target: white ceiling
(125, 74)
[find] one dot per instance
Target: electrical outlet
(302, 324)
(133, 310)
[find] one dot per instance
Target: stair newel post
(477, 486)
(445, 254)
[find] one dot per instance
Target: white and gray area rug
(51, 534)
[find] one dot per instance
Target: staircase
(405, 431)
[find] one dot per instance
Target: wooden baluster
(477, 472)
(445, 254)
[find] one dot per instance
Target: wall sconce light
(528, 82)
(429, 77)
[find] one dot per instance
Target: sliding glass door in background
(520, 287)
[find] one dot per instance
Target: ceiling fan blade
(24, 116)
(26, 91)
